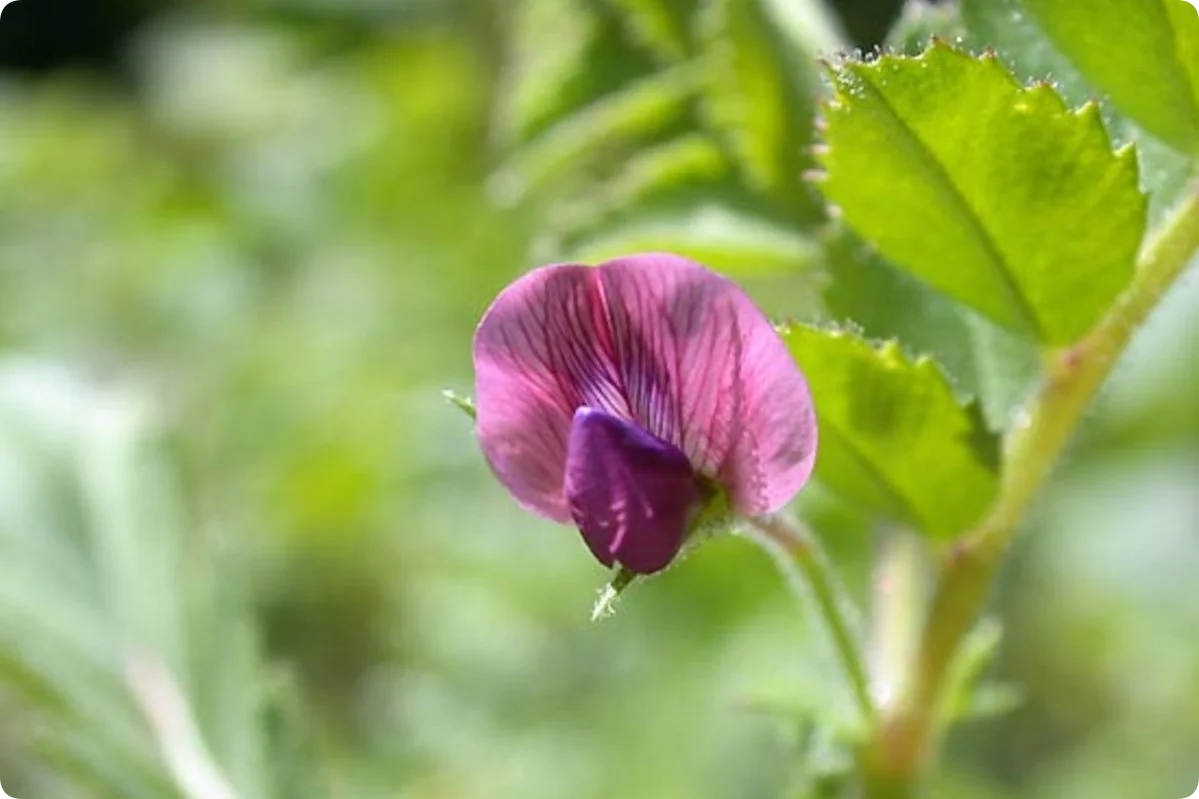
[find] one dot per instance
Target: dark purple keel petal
(704, 369)
(630, 494)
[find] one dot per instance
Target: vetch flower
(625, 397)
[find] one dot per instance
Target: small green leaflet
(892, 434)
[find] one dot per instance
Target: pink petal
(704, 369)
(523, 403)
(654, 339)
(630, 494)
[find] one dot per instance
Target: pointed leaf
(564, 54)
(673, 169)
(636, 111)
(892, 434)
(1143, 53)
(996, 195)
(760, 93)
(663, 26)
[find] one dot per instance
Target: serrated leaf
(712, 231)
(892, 434)
(1008, 27)
(997, 195)
(884, 302)
(663, 26)
(760, 92)
(1143, 53)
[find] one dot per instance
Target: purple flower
(625, 397)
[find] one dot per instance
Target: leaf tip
(462, 403)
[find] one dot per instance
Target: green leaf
(1008, 27)
(883, 302)
(634, 112)
(967, 694)
(760, 92)
(892, 434)
(591, 56)
(674, 169)
(662, 26)
(1143, 53)
(997, 195)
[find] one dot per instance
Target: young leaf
(1143, 53)
(996, 195)
(673, 169)
(892, 434)
(759, 92)
(645, 106)
(662, 26)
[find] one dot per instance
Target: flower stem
(905, 742)
(797, 549)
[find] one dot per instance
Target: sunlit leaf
(995, 194)
(1143, 53)
(1013, 32)
(892, 434)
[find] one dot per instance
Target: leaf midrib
(940, 174)
(873, 469)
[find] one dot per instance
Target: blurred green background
(247, 550)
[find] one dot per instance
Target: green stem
(906, 741)
(795, 547)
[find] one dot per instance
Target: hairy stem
(906, 741)
(796, 549)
